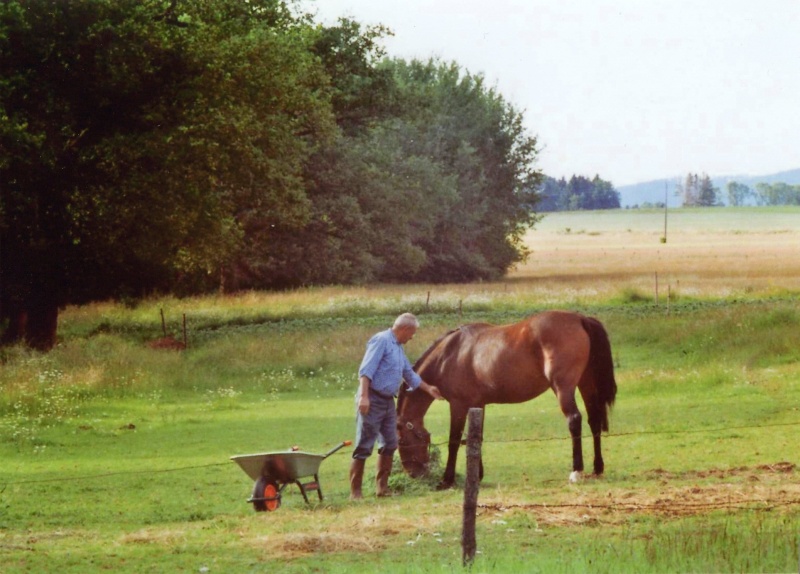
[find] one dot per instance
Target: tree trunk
(42, 325)
(35, 325)
(32, 314)
(17, 325)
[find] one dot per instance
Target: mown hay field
(708, 252)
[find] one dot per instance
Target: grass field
(116, 454)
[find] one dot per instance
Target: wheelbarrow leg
(319, 486)
(304, 488)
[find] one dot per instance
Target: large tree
(179, 145)
(140, 142)
(479, 142)
(431, 178)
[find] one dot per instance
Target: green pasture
(116, 454)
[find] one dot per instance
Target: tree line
(579, 193)
(763, 194)
(191, 145)
(699, 191)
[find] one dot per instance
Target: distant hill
(653, 191)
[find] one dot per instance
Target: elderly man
(383, 368)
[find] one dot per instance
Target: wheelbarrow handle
(338, 446)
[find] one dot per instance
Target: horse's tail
(601, 365)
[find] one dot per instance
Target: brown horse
(479, 364)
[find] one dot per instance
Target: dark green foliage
(437, 190)
(190, 145)
(138, 150)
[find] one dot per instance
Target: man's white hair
(406, 320)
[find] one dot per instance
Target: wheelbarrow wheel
(266, 489)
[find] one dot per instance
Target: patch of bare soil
(368, 530)
(764, 487)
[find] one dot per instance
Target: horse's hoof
(445, 485)
(575, 476)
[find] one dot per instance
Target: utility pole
(666, 202)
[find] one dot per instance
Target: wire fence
(566, 436)
(63, 479)
(671, 507)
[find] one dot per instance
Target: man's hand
(432, 391)
(363, 399)
(363, 403)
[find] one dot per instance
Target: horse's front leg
(458, 418)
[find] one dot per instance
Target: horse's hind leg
(570, 409)
(595, 426)
(599, 465)
(594, 412)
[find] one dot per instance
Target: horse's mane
(403, 394)
(433, 346)
(468, 329)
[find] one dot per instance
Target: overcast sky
(632, 90)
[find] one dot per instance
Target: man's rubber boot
(384, 470)
(356, 476)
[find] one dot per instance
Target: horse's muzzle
(415, 469)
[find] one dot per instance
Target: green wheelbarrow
(274, 471)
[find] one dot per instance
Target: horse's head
(413, 438)
(414, 441)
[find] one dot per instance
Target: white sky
(632, 90)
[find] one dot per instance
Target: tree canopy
(190, 145)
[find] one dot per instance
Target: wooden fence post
(669, 298)
(656, 288)
(474, 439)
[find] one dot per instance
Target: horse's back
(482, 363)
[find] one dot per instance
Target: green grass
(116, 456)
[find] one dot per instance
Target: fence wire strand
(634, 433)
(497, 441)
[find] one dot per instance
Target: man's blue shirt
(386, 365)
